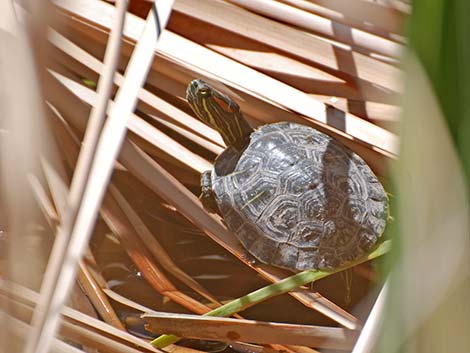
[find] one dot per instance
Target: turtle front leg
(207, 195)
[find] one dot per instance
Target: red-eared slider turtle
(295, 197)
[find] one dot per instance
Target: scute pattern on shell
(298, 199)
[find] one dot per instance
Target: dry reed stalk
(391, 30)
(72, 235)
(243, 346)
(43, 201)
(368, 12)
(94, 292)
(363, 151)
(201, 141)
(117, 221)
(88, 293)
(296, 71)
(87, 281)
(69, 96)
(358, 40)
(18, 331)
(383, 115)
(370, 334)
(28, 299)
(119, 224)
(197, 58)
(350, 122)
(57, 180)
(156, 249)
(401, 6)
(292, 42)
(76, 333)
(86, 65)
(263, 110)
(142, 129)
(25, 137)
(267, 113)
(76, 113)
(226, 329)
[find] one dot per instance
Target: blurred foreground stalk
(428, 308)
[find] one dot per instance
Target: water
(210, 265)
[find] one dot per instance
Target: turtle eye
(204, 91)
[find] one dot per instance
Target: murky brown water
(209, 264)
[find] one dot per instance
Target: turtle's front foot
(207, 195)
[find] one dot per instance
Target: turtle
(295, 197)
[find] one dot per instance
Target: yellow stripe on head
(218, 111)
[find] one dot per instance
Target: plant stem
(281, 287)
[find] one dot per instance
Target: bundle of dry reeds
(322, 63)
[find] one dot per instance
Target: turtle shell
(298, 199)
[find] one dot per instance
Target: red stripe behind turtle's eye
(222, 103)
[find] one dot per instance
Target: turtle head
(218, 111)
